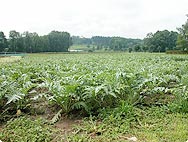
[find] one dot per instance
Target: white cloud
(128, 18)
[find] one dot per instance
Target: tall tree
(122, 44)
(36, 43)
(13, 40)
(77, 40)
(59, 41)
(160, 41)
(182, 42)
(3, 42)
(44, 43)
(28, 41)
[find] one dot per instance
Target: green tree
(13, 40)
(130, 49)
(148, 42)
(44, 43)
(32, 42)
(122, 44)
(160, 41)
(77, 40)
(36, 43)
(107, 43)
(59, 41)
(182, 42)
(29, 42)
(3, 42)
(137, 48)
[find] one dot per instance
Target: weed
(24, 129)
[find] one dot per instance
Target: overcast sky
(126, 18)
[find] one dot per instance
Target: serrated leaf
(56, 117)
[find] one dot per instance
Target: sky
(125, 18)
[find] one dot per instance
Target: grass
(147, 124)
(150, 125)
(10, 59)
(26, 130)
(158, 126)
(154, 125)
(91, 48)
(80, 47)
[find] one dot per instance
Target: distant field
(121, 95)
(9, 59)
(80, 47)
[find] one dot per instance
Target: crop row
(88, 82)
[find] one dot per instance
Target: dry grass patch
(10, 59)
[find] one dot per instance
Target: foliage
(28, 42)
(59, 41)
(3, 42)
(150, 124)
(26, 130)
(14, 40)
(181, 102)
(77, 40)
(182, 42)
(160, 41)
(113, 87)
(157, 124)
(107, 43)
(89, 82)
(176, 52)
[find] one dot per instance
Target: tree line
(107, 43)
(160, 41)
(157, 42)
(182, 40)
(165, 40)
(55, 41)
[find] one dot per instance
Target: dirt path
(64, 127)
